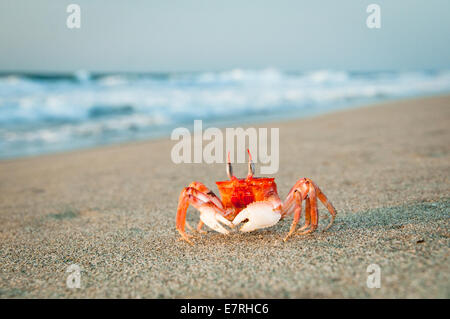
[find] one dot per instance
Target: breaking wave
(42, 113)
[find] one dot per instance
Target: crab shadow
(384, 218)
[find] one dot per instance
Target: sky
(211, 35)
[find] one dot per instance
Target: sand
(111, 210)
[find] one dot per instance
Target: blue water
(43, 114)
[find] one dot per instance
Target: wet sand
(111, 210)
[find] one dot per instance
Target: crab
(253, 201)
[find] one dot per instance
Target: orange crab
(252, 200)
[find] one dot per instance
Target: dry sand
(111, 210)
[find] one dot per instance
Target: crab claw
(213, 219)
(259, 215)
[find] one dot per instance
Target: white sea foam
(58, 113)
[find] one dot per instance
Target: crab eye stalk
(229, 168)
(251, 165)
(251, 169)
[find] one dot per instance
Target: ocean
(44, 114)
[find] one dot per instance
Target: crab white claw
(259, 215)
(213, 220)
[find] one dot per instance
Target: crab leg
(328, 204)
(199, 227)
(202, 188)
(213, 197)
(314, 213)
(297, 214)
(303, 191)
(210, 213)
(307, 215)
(293, 202)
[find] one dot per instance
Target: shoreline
(222, 124)
(111, 210)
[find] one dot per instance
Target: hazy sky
(215, 35)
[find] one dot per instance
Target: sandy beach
(111, 210)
